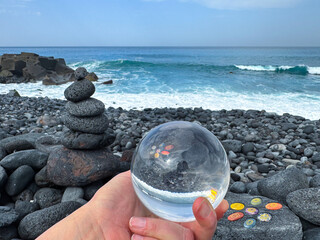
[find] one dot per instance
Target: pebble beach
(272, 157)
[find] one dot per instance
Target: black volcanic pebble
(238, 187)
(7, 216)
(24, 208)
(34, 224)
(41, 178)
(79, 90)
(78, 140)
(8, 233)
(80, 73)
(47, 197)
(86, 108)
(19, 179)
(95, 125)
(314, 182)
(33, 158)
(18, 145)
(3, 152)
(3, 176)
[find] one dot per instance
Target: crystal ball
(174, 164)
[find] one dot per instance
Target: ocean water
(274, 79)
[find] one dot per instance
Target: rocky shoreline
(274, 156)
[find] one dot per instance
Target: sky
(160, 23)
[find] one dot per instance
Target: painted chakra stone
(249, 223)
(169, 147)
(264, 217)
(273, 206)
(165, 153)
(156, 155)
(235, 216)
(256, 201)
(237, 206)
(252, 211)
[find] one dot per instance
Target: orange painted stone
(273, 206)
(235, 216)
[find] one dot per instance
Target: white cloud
(239, 4)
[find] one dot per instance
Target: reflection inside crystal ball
(174, 164)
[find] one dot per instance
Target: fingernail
(136, 237)
(205, 209)
(138, 222)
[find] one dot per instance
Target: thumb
(206, 218)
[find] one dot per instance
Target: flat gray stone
(86, 108)
(284, 224)
(32, 158)
(72, 194)
(79, 90)
(278, 186)
(94, 125)
(306, 204)
(34, 224)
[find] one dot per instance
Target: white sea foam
(269, 68)
(294, 103)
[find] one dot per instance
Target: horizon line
(155, 46)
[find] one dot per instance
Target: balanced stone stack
(85, 116)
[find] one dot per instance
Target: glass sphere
(174, 164)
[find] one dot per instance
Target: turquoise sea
(274, 79)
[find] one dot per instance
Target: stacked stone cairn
(84, 116)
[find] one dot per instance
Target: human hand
(108, 215)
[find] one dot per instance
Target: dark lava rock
(19, 179)
(18, 145)
(312, 234)
(79, 90)
(306, 204)
(24, 208)
(95, 125)
(3, 152)
(30, 137)
(25, 195)
(314, 182)
(41, 178)
(235, 177)
(86, 141)
(252, 188)
(316, 157)
(72, 194)
(238, 187)
(91, 189)
(78, 168)
(7, 216)
(47, 197)
(248, 147)
(127, 156)
(308, 129)
(47, 143)
(264, 168)
(278, 186)
(34, 224)
(80, 73)
(232, 145)
(8, 233)
(86, 108)
(33, 158)
(283, 225)
(3, 176)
